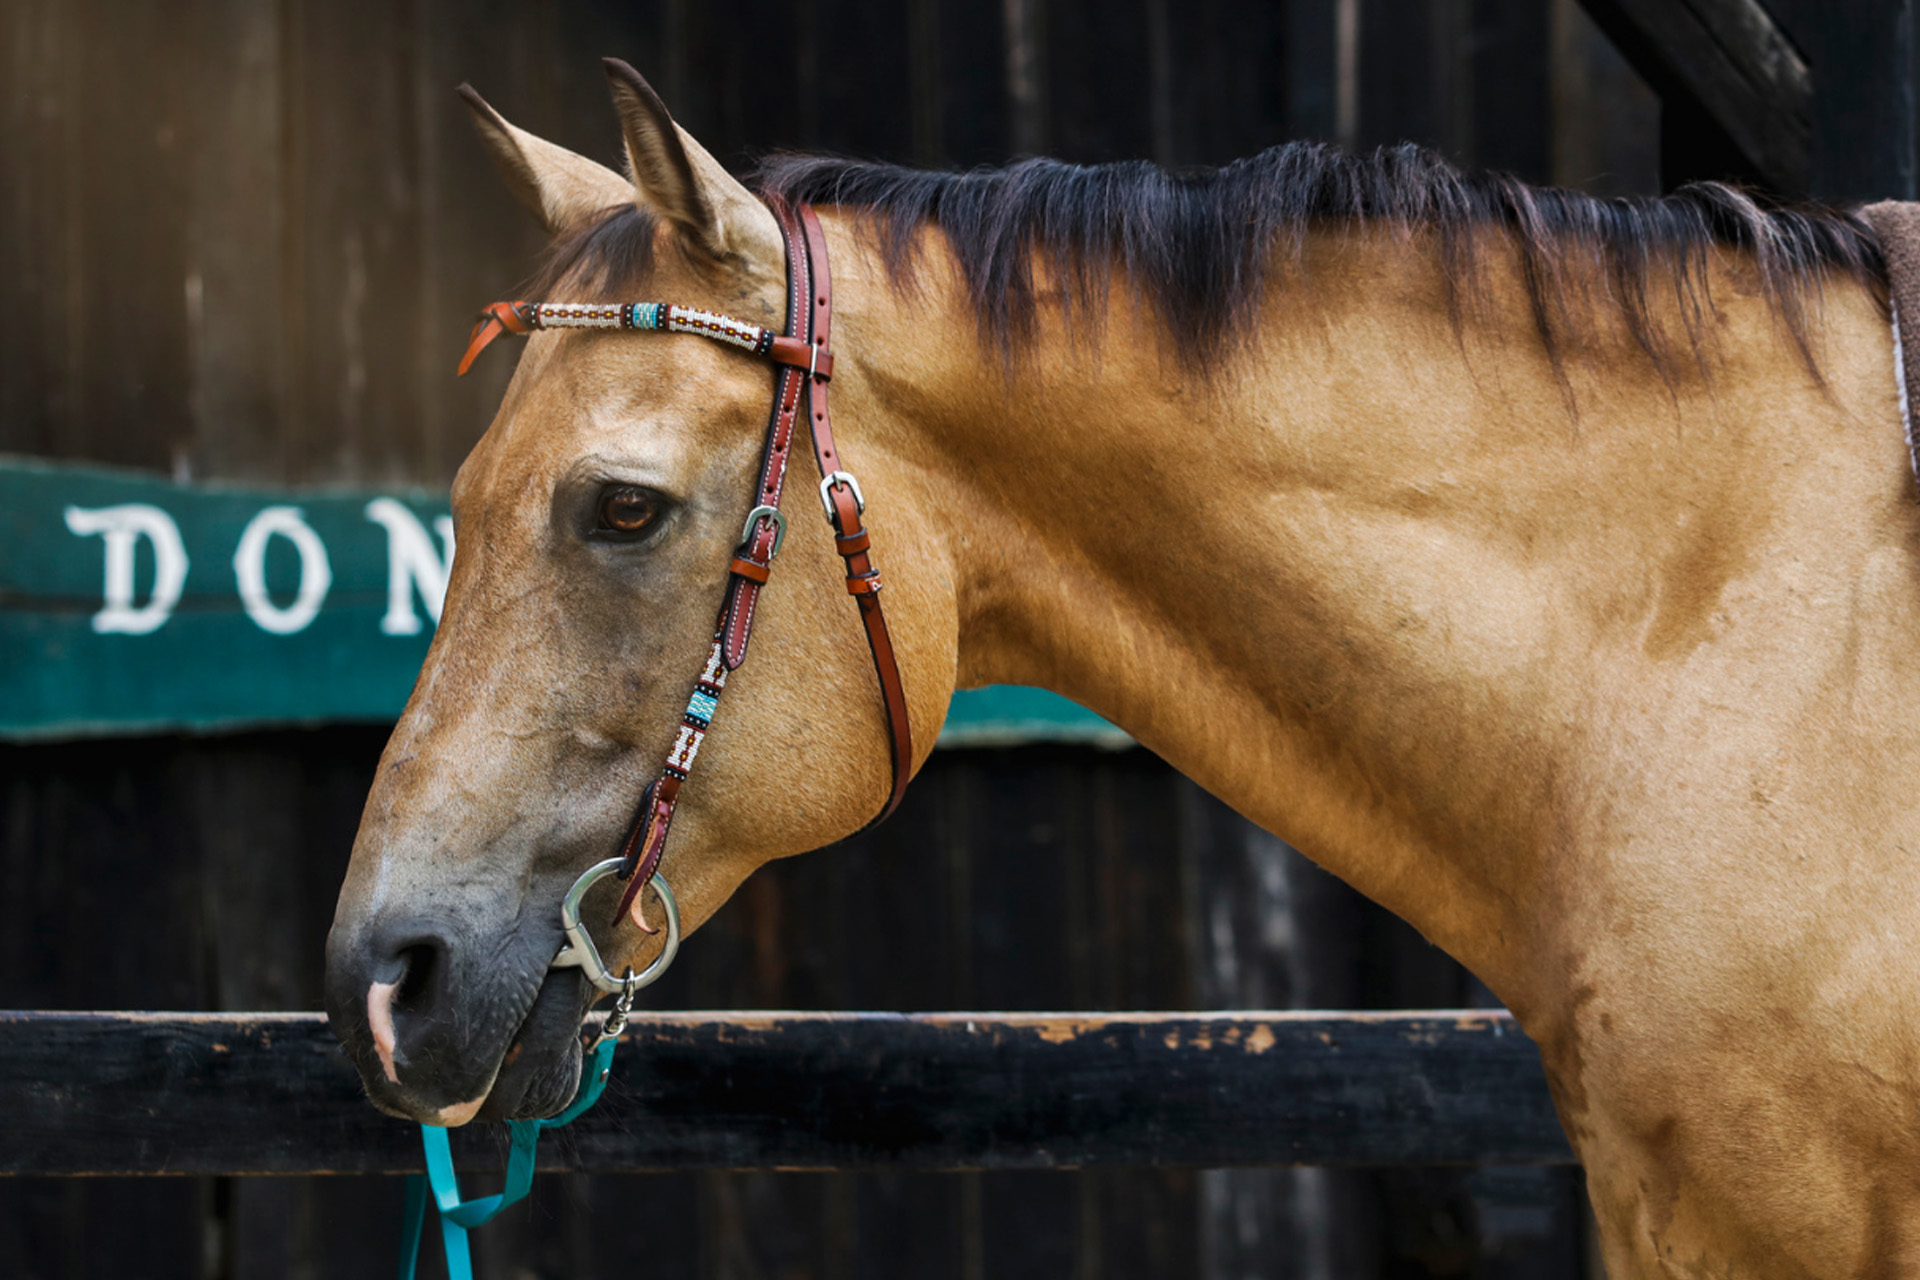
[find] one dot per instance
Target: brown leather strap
(804, 363)
(845, 507)
(801, 354)
(646, 840)
(752, 570)
(743, 595)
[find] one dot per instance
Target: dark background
(244, 240)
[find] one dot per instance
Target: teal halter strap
(457, 1216)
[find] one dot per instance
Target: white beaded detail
(580, 315)
(650, 315)
(685, 748)
(716, 672)
(707, 324)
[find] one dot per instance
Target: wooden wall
(244, 240)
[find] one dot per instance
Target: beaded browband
(525, 317)
(804, 363)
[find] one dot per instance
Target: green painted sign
(129, 604)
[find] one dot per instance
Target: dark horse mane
(1201, 246)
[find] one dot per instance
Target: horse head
(596, 520)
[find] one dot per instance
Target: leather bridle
(803, 366)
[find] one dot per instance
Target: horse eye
(626, 509)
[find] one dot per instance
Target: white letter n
(412, 564)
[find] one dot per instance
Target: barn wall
(244, 240)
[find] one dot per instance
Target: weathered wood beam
(144, 1093)
(1731, 58)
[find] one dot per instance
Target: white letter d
(120, 527)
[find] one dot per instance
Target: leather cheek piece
(804, 352)
(736, 625)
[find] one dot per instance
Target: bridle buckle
(839, 478)
(779, 527)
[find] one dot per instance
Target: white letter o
(250, 568)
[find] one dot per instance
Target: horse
(1547, 568)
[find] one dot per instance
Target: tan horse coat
(1615, 695)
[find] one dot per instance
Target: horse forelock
(607, 257)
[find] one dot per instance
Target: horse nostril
(401, 993)
(416, 974)
(388, 996)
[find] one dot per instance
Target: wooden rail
(156, 1093)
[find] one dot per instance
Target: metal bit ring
(580, 952)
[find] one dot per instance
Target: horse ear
(560, 187)
(674, 176)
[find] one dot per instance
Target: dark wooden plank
(354, 168)
(157, 1093)
(908, 1225)
(94, 230)
(40, 228)
(1606, 121)
(207, 921)
(1732, 59)
(108, 1228)
(1866, 99)
(976, 104)
(1100, 83)
(236, 236)
(1274, 930)
(868, 113)
(1397, 98)
(1225, 82)
(1025, 34)
(1312, 63)
(1507, 68)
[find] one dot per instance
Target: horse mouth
(540, 1071)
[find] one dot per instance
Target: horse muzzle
(445, 1028)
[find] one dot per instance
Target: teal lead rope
(458, 1216)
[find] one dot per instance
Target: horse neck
(1380, 582)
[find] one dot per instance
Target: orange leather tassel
(498, 318)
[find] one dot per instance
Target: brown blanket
(1897, 223)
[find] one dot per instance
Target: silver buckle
(779, 527)
(846, 478)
